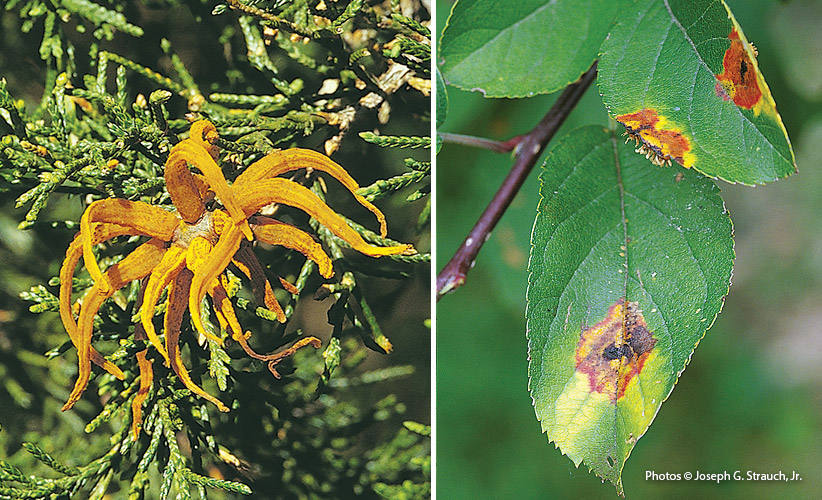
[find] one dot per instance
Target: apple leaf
(629, 266)
(684, 80)
(522, 48)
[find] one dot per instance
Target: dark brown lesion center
(614, 350)
(637, 341)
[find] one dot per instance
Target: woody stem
(481, 142)
(530, 147)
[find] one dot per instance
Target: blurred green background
(751, 398)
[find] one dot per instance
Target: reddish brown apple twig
(529, 148)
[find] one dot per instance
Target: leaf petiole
(481, 142)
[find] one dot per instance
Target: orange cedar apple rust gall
(191, 246)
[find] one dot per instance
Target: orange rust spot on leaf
(738, 80)
(612, 352)
(658, 139)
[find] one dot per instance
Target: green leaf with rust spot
(629, 266)
(684, 80)
(522, 48)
